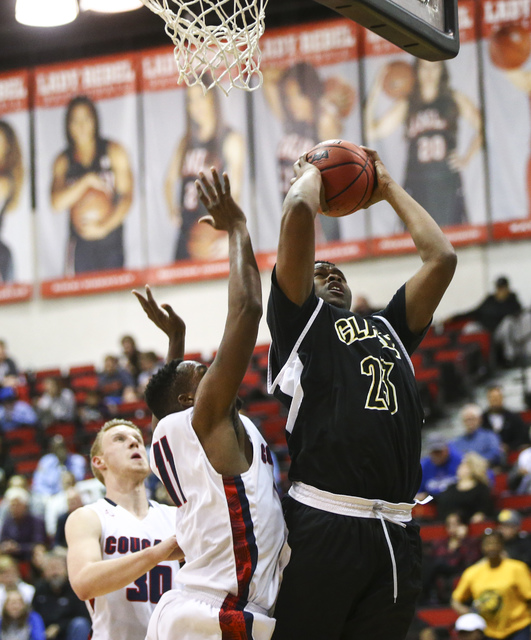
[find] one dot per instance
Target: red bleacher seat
(81, 370)
(93, 427)
(425, 511)
(443, 617)
(25, 450)
(519, 503)
(526, 416)
(500, 484)
(433, 532)
(65, 429)
(26, 467)
(132, 410)
(481, 338)
(20, 434)
(84, 382)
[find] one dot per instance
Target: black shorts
(338, 584)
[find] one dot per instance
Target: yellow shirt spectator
(500, 595)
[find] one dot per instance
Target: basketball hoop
(216, 41)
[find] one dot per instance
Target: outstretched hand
(163, 316)
(224, 213)
(382, 181)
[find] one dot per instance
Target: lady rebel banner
(310, 94)
(185, 132)
(506, 47)
(88, 209)
(16, 235)
(424, 119)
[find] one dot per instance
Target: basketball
(510, 46)
(398, 79)
(347, 173)
(92, 209)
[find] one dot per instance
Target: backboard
(427, 29)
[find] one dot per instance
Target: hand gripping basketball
(348, 175)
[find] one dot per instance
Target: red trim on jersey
(235, 623)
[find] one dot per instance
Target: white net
(216, 41)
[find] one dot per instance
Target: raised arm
(217, 391)
(165, 318)
(426, 288)
(296, 245)
(90, 575)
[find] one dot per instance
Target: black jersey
(199, 156)
(355, 415)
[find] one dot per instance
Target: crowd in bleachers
(480, 479)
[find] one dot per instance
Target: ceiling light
(52, 13)
(110, 6)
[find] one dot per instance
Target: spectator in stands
(93, 409)
(499, 589)
(517, 543)
(19, 621)
(8, 368)
(15, 412)
(21, 530)
(47, 478)
(439, 467)
(420, 630)
(470, 495)
(496, 314)
(363, 307)
(7, 468)
(65, 616)
(507, 424)
(73, 502)
(56, 403)
(476, 438)
(150, 363)
(470, 626)
(113, 380)
(56, 504)
(519, 477)
(10, 579)
(446, 559)
(130, 358)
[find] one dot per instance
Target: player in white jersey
(122, 551)
(217, 467)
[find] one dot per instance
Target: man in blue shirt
(47, 479)
(476, 438)
(439, 467)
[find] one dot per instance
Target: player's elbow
(82, 588)
(298, 210)
(447, 260)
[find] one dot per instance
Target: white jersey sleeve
(124, 614)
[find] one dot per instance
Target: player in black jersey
(207, 142)
(431, 115)
(92, 179)
(353, 427)
(11, 179)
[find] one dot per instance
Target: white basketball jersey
(231, 528)
(124, 614)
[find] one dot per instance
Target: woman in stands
(471, 494)
(19, 621)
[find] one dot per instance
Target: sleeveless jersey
(432, 134)
(231, 528)
(355, 415)
(199, 156)
(124, 614)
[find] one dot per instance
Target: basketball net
(216, 41)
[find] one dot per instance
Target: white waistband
(217, 598)
(399, 513)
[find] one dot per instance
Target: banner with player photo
(16, 220)
(506, 46)
(89, 234)
(310, 94)
(185, 132)
(424, 120)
